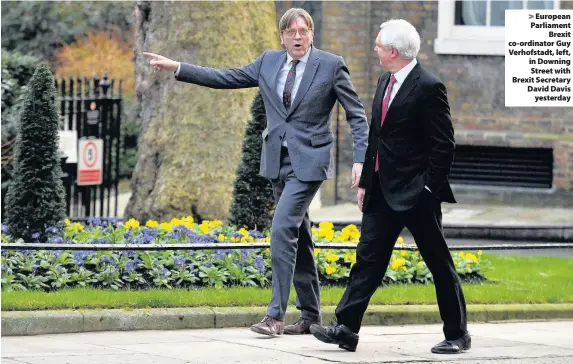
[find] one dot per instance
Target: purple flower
(55, 240)
(179, 260)
(56, 254)
(35, 235)
(128, 253)
(221, 254)
(237, 235)
(256, 234)
(207, 264)
(52, 230)
(259, 263)
(79, 257)
(106, 259)
(94, 220)
(127, 235)
(149, 231)
(60, 269)
(4, 228)
(165, 272)
(4, 267)
(114, 221)
(246, 253)
(130, 266)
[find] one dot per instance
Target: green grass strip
(512, 279)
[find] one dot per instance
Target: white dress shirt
(282, 76)
(400, 77)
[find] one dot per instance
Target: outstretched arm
(242, 77)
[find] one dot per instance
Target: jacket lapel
(307, 77)
(281, 59)
(410, 83)
(377, 103)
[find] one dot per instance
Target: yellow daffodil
(329, 235)
(316, 251)
(326, 225)
(67, 222)
(331, 257)
(221, 237)
(480, 252)
(131, 223)
(215, 224)
(403, 253)
(77, 227)
(349, 233)
(152, 223)
(204, 227)
(400, 240)
(330, 270)
(268, 239)
(471, 257)
(398, 263)
(421, 264)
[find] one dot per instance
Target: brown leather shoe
(300, 327)
(269, 326)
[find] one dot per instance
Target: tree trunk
(191, 136)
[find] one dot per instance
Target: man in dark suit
(404, 181)
(299, 86)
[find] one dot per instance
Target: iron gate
(92, 109)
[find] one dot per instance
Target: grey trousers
(292, 248)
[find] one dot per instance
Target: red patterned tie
(289, 83)
(385, 108)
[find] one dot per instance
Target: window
(476, 27)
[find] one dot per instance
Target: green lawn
(512, 279)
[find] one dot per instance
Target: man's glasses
(291, 32)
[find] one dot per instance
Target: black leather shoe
(336, 334)
(453, 346)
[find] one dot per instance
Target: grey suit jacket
(306, 125)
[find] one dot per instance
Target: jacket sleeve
(233, 78)
(440, 133)
(355, 114)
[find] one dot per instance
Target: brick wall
(475, 90)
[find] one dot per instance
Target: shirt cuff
(178, 68)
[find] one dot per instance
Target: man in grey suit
(299, 86)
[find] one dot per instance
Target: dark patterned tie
(287, 100)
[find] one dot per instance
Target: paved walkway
(503, 343)
(458, 214)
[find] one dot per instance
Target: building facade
(505, 155)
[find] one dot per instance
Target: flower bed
(52, 270)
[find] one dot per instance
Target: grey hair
(399, 34)
(294, 13)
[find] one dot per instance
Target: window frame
(468, 39)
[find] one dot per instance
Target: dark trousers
(381, 226)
